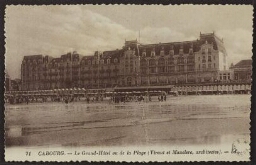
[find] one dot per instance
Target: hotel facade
(199, 61)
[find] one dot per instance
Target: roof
(33, 57)
(112, 53)
(243, 63)
(210, 38)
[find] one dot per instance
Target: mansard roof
(33, 57)
(210, 38)
(112, 53)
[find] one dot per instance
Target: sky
(55, 30)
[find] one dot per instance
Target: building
(7, 82)
(15, 85)
(242, 71)
(190, 62)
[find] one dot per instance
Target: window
(191, 68)
(214, 65)
(209, 58)
(181, 51)
(143, 70)
(162, 52)
(93, 62)
(102, 61)
(198, 58)
(181, 68)
(190, 51)
(153, 70)
(203, 59)
(143, 53)
(152, 54)
(199, 67)
(171, 52)
(171, 69)
(131, 70)
(108, 61)
(203, 51)
(209, 66)
(209, 50)
(115, 60)
(161, 69)
(190, 59)
(143, 63)
(204, 66)
(170, 61)
(152, 62)
(181, 60)
(161, 61)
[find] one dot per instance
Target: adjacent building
(190, 62)
(242, 71)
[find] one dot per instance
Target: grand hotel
(190, 62)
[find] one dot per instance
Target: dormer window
(171, 52)
(181, 51)
(190, 51)
(162, 51)
(153, 53)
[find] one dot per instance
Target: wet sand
(183, 120)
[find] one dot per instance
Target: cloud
(238, 44)
(163, 34)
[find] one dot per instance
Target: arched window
(181, 60)
(170, 61)
(143, 62)
(161, 61)
(152, 62)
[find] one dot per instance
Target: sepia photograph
(128, 82)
